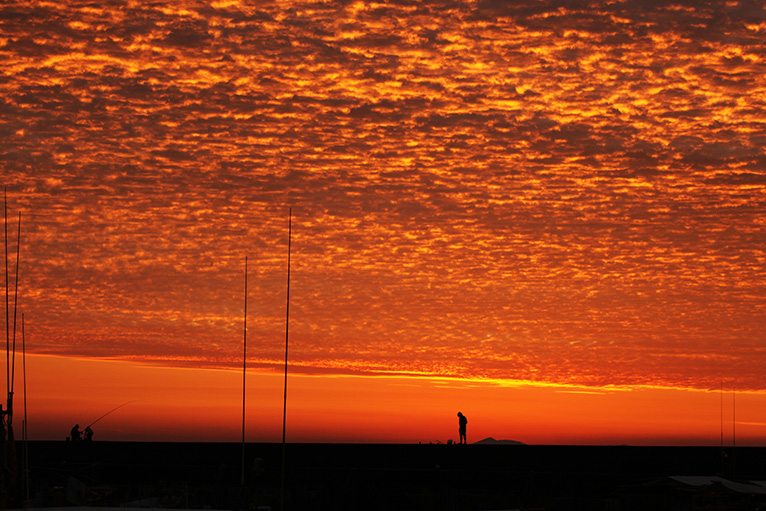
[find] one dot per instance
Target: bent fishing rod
(110, 411)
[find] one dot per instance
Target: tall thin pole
(723, 451)
(7, 308)
(733, 417)
(287, 329)
(24, 425)
(244, 372)
(24, 375)
(15, 306)
(733, 433)
(721, 406)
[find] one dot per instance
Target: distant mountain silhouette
(492, 441)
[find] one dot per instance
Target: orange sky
(182, 404)
(565, 194)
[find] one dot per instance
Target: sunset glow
(524, 211)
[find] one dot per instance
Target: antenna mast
(733, 432)
(287, 329)
(7, 308)
(723, 453)
(10, 368)
(244, 372)
(721, 394)
(24, 436)
(15, 305)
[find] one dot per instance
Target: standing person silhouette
(462, 423)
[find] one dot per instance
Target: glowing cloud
(540, 192)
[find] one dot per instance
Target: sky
(508, 208)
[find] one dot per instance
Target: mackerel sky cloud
(558, 192)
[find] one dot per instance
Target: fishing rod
(110, 411)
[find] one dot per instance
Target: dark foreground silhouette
(461, 428)
(361, 476)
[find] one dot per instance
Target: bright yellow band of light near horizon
(173, 404)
